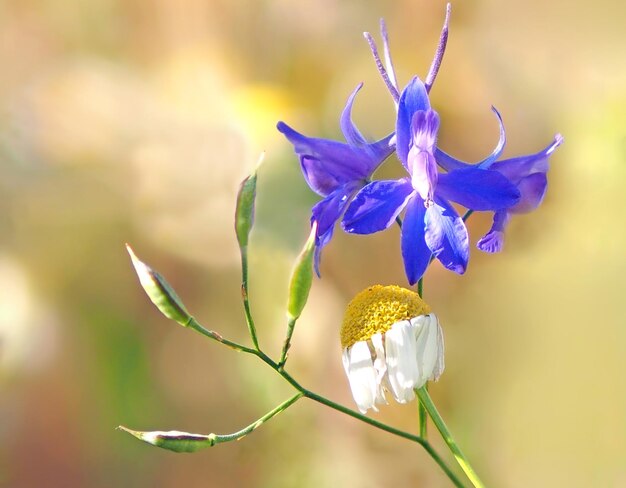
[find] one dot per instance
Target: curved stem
(387, 428)
(425, 400)
(195, 325)
(235, 436)
(303, 392)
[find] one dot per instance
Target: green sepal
(301, 278)
(159, 291)
(244, 211)
(174, 440)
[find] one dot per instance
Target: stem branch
(244, 296)
(246, 430)
(303, 392)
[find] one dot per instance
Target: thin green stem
(244, 296)
(193, 324)
(291, 324)
(425, 400)
(235, 436)
(423, 419)
(387, 428)
(303, 392)
(467, 215)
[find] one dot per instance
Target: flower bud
(244, 213)
(174, 440)
(301, 278)
(159, 291)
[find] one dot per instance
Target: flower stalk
(428, 404)
(244, 221)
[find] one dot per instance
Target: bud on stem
(299, 287)
(177, 441)
(244, 211)
(301, 278)
(159, 291)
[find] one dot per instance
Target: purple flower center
(421, 160)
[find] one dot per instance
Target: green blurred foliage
(135, 122)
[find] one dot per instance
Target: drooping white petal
(402, 367)
(362, 376)
(429, 345)
(440, 366)
(380, 366)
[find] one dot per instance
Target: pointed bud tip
(259, 162)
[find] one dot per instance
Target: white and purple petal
(376, 206)
(413, 99)
(420, 160)
(478, 189)
(446, 236)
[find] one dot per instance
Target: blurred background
(134, 121)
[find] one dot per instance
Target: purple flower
(336, 170)
(527, 173)
(431, 225)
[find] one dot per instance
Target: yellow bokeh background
(134, 121)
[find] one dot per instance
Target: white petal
(429, 348)
(402, 368)
(440, 366)
(362, 376)
(380, 366)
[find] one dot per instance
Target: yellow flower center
(376, 309)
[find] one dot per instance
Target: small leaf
(174, 440)
(301, 278)
(244, 213)
(159, 291)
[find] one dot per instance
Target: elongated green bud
(301, 278)
(159, 291)
(244, 213)
(174, 440)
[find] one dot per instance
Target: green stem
(303, 392)
(387, 428)
(425, 400)
(467, 215)
(193, 324)
(423, 419)
(244, 296)
(235, 436)
(291, 323)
